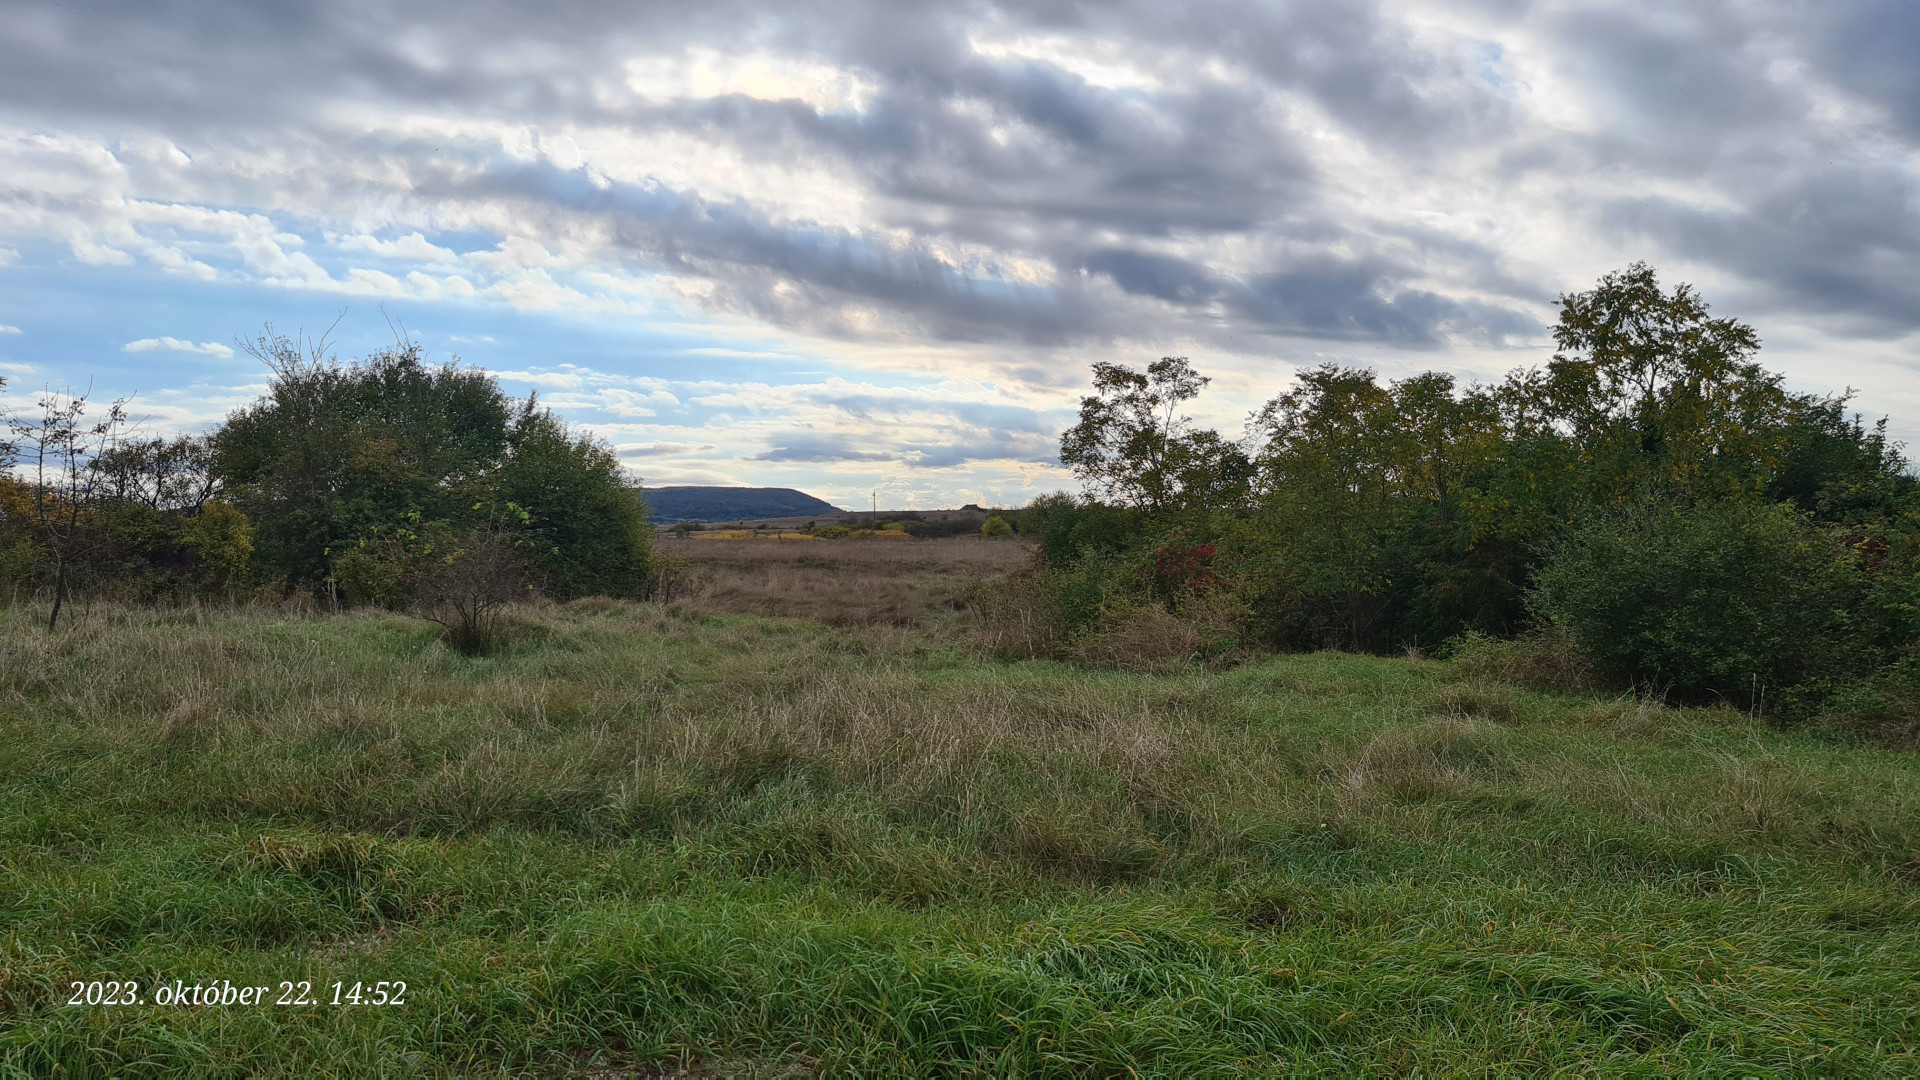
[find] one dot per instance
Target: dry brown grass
(1141, 637)
(841, 582)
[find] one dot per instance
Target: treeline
(387, 481)
(1652, 499)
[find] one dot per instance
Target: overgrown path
(638, 838)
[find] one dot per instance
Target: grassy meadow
(660, 840)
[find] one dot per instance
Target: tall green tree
(1373, 509)
(1133, 446)
(1649, 390)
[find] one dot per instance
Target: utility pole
(876, 504)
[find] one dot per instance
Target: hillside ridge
(677, 503)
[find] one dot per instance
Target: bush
(1093, 612)
(1884, 707)
(995, 526)
(468, 590)
(1143, 636)
(336, 456)
(1724, 597)
(370, 577)
(1070, 531)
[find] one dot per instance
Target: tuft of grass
(1545, 659)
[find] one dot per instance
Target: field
(839, 582)
(651, 839)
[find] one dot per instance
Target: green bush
(1723, 597)
(995, 525)
(1070, 530)
(337, 455)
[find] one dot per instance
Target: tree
(1646, 388)
(1132, 446)
(61, 452)
(164, 475)
(1372, 509)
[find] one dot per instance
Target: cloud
(172, 344)
(661, 448)
(5, 329)
(872, 175)
(412, 247)
(815, 450)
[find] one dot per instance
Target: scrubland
(644, 839)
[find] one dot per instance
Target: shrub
(223, 538)
(1070, 530)
(369, 577)
(1091, 612)
(469, 589)
(1722, 597)
(667, 577)
(995, 526)
(1884, 706)
(336, 453)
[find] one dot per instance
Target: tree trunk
(59, 591)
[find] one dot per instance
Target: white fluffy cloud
(173, 344)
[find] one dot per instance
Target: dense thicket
(374, 458)
(1653, 491)
(376, 481)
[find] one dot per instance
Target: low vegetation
(645, 838)
(355, 484)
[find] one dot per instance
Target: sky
(861, 248)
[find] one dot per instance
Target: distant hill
(672, 504)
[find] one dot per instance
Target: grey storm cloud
(1253, 169)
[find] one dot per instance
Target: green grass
(743, 846)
